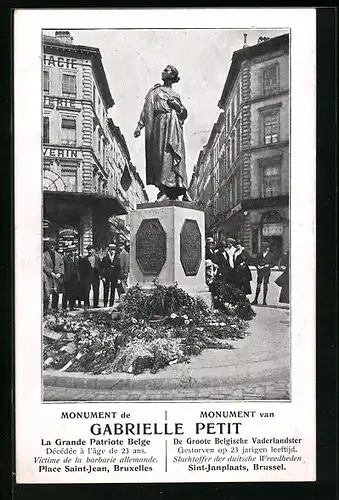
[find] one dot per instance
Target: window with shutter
(271, 79)
(46, 81)
(68, 131)
(271, 127)
(233, 147)
(238, 137)
(45, 132)
(69, 85)
(271, 180)
(70, 178)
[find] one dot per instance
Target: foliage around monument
(147, 331)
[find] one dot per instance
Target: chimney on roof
(64, 36)
(263, 39)
(245, 41)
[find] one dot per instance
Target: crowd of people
(229, 262)
(74, 277)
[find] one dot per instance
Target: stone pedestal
(168, 243)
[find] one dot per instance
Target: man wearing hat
(90, 276)
(110, 271)
(53, 270)
(71, 277)
(264, 261)
(225, 261)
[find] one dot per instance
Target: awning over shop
(104, 204)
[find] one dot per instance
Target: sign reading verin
(56, 152)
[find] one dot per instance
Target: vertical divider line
(166, 455)
(165, 446)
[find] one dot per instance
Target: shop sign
(62, 102)
(56, 152)
(272, 230)
(46, 223)
(60, 62)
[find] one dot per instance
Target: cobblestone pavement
(257, 368)
(266, 391)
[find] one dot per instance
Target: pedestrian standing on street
(71, 277)
(224, 260)
(90, 271)
(284, 280)
(264, 262)
(80, 295)
(53, 271)
(124, 268)
(110, 273)
(243, 275)
(210, 252)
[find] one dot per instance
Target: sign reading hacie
(56, 152)
(60, 62)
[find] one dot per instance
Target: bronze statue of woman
(163, 116)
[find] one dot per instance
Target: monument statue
(163, 116)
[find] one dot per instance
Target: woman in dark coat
(284, 281)
(243, 276)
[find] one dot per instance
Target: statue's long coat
(164, 142)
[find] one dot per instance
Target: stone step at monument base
(167, 244)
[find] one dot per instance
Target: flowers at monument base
(148, 331)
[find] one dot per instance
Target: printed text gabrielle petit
(166, 429)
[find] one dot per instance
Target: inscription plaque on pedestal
(151, 246)
(190, 247)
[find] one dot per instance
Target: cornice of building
(116, 132)
(52, 44)
(248, 53)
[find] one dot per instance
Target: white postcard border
(34, 418)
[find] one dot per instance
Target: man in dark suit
(71, 277)
(110, 271)
(90, 276)
(210, 252)
(225, 262)
(263, 262)
(53, 271)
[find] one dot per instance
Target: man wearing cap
(53, 270)
(110, 271)
(263, 262)
(90, 271)
(71, 277)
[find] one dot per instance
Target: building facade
(251, 193)
(82, 169)
(126, 181)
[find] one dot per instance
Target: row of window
(97, 104)
(68, 131)
(270, 126)
(69, 89)
(233, 109)
(69, 134)
(68, 84)
(270, 85)
(232, 195)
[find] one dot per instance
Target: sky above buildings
(133, 61)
